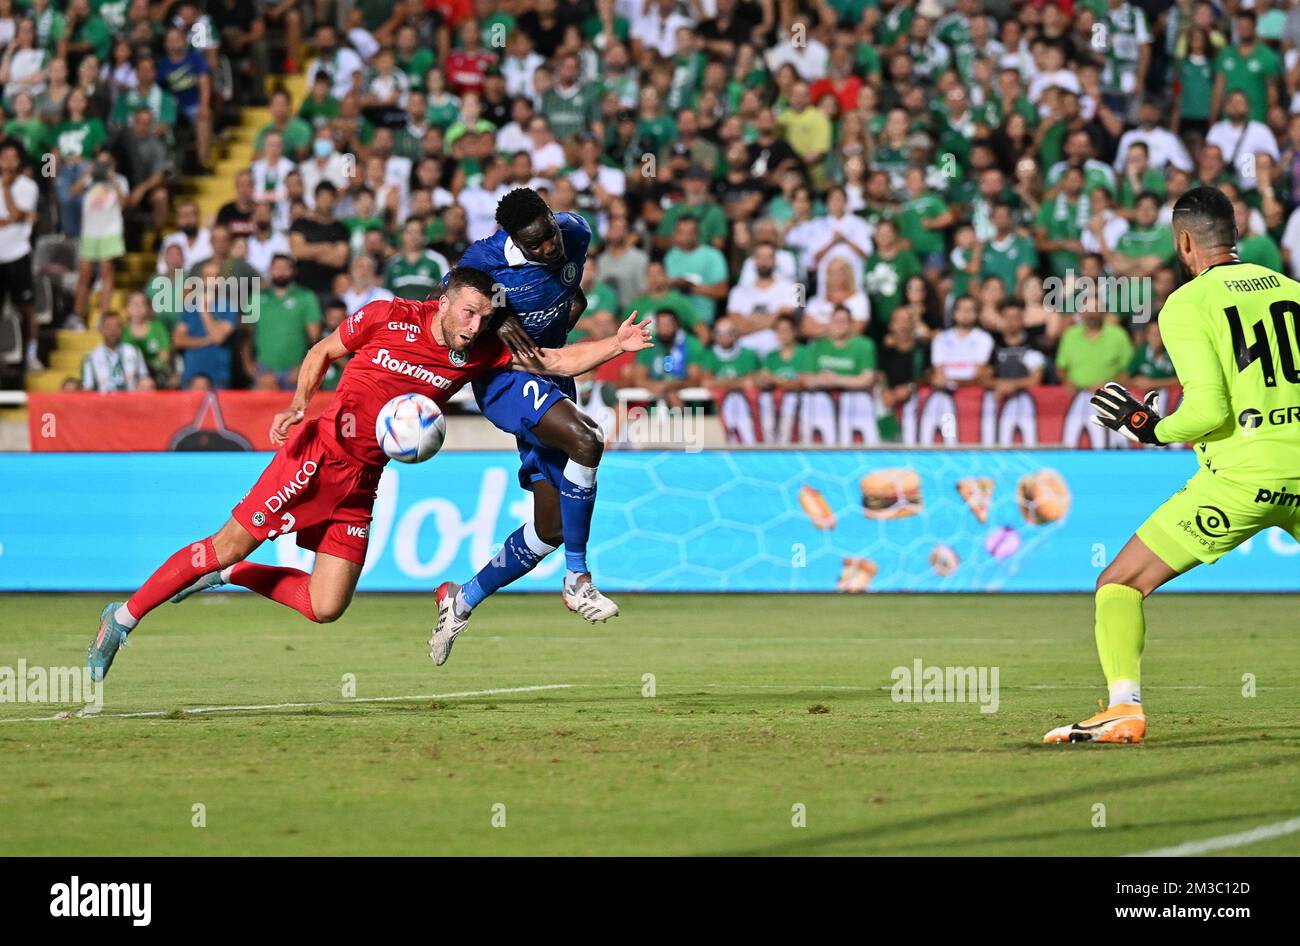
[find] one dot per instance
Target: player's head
(529, 222)
(1204, 227)
(465, 306)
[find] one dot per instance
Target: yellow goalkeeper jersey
(1233, 334)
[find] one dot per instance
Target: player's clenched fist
(633, 336)
(283, 422)
(1117, 409)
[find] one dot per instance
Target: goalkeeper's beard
(1183, 271)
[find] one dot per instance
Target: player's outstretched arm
(573, 360)
(1205, 406)
(519, 342)
(310, 375)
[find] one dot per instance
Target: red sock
(185, 567)
(289, 586)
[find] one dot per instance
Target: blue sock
(577, 503)
(522, 550)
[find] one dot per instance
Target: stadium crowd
(834, 194)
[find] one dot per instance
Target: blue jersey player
(536, 260)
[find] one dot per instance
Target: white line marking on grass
(1225, 841)
(198, 710)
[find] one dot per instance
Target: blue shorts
(515, 401)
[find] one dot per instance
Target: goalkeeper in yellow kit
(1232, 330)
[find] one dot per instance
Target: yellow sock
(1121, 635)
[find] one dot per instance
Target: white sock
(225, 574)
(1125, 691)
(125, 618)
(571, 579)
(459, 606)
(579, 475)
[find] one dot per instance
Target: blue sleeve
(577, 229)
(479, 256)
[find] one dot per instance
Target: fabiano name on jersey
(1254, 284)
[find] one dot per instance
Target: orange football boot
(1123, 722)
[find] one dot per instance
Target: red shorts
(313, 489)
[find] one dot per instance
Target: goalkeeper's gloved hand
(1117, 409)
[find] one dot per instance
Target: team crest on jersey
(457, 358)
(570, 273)
(259, 518)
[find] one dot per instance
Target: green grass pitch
(761, 704)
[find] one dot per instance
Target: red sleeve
(503, 357)
(358, 327)
(491, 354)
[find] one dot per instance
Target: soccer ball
(410, 428)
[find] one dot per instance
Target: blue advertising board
(667, 521)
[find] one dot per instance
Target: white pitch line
(1225, 841)
(197, 710)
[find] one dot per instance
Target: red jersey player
(321, 484)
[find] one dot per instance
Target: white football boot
(586, 600)
(449, 624)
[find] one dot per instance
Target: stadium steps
(233, 153)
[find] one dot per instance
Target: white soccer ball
(410, 428)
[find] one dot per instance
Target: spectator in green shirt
(85, 32)
(843, 359)
(1150, 367)
(1255, 247)
(296, 132)
(1195, 75)
(288, 323)
(659, 294)
(151, 336)
(923, 217)
(414, 271)
(672, 364)
(79, 135)
(570, 105)
(412, 58)
(699, 204)
(1059, 226)
(24, 125)
(320, 107)
(887, 272)
(165, 290)
(726, 363)
(1139, 176)
(698, 271)
(1247, 66)
(1144, 247)
(1009, 257)
(1092, 351)
(785, 366)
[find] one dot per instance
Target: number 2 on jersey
(538, 397)
(1258, 349)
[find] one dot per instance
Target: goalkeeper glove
(1117, 409)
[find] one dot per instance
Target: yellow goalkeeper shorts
(1211, 516)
